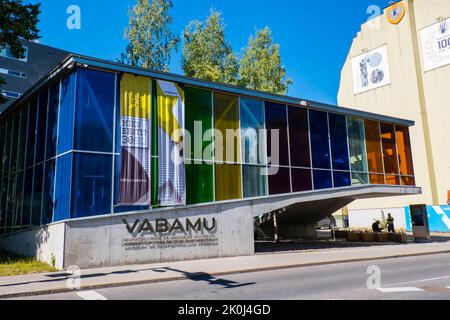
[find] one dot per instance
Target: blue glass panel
(52, 121)
(252, 121)
(7, 149)
(94, 110)
(10, 202)
(91, 185)
(320, 148)
(276, 119)
(255, 181)
(15, 142)
(280, 182)
(23, 138)
(41, 126)
(299, 137)
(27, 198)
(339, 145)
(342, 179)
(31, 133)
(48, 193)
(322, 180)
(37, 195)
(3, 194)
(66, 112)
(18, 201)
(2, 145)
(62, 192)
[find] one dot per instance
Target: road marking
(90, 295)
(422, 280)
(399, 289)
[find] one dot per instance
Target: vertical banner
(135, 141)
(171, 174)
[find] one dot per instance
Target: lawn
(11, 265)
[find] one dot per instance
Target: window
(301, 180)
(390, 154)
(276, 119)
(31, 133)
(318, 122)
(405, 155)
(18, 202)
(23, 138)
(41, 127)
(91, 185)
(11, 94)
(94, 110)
(48, 192)
(13, 73)
(299, 137)
(338, 139)
(322, 180)
(15, 141)
(63, 183)
(357, 148)
(52, 121)
(37, 195)
(228, 182)
(27, 198)
(374, 153)
(6, 53)
(280, 182)
(255, 181)
(66, 112)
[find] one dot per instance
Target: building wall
(402, 98)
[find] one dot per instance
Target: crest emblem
(396, 12)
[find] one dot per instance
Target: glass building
(97, 138)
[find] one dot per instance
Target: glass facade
(60, 150)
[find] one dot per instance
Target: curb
(214, 274)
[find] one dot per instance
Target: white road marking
(399, 289)
(90, 295)
(417, 281)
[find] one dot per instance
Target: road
(422, 277)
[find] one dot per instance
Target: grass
(11, 265)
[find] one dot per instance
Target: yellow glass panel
(228, 182)
(226, 118)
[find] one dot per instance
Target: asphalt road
(423, 277)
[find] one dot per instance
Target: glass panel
(91, 185)
(318, 122)
(280, 183)
(27, 198)
(322, 180)
(226, 117)
(37, 195)
(7, 149)
(357, 148)
(299, 137)
(404, 151)
(255, 181)
(301, 180)
(23, 138)
(66, 112)
(228, 182)
(3, 198)
(374, 154)
(252, 130)
(276, 119)
(2, 146)
(341, 179)
(392, 180)
(408, 181)
(94, 110)
(338, 139)
(48, 193)
(52, 121)
(199, 109)
(15, 142)
(18, 202)
(31, 134)
(41, 126)
(62, 192)
(389, 150)
(200, 183)
(10, 202)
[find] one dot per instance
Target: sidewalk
(48, 283)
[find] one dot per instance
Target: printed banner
(171, 174)
(371, 70)
(135, 141)
(435, 41)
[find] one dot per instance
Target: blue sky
(314, 36)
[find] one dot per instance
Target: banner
(435, 41)
(171, 173)
(371, 70)
(135, 141)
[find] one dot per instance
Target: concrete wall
(366, 217)
(402, 98)
(39, 243)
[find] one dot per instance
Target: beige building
(400, 66)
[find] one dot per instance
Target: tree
(17, 21)
(206, 53)
(151, 40)
(260, 66)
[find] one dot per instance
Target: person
(376, 226)
(390, 223)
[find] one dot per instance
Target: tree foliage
(260, 66)
(17, 21)
(206, 53)
(150, 39)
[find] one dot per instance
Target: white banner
(435, 41)
(370, 70)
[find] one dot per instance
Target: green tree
(206, 53)
(150, 39)
(17, 21)
(260, 66)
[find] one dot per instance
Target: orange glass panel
(377, 178)
(408, 181)
(404, 151)
(392, 180)
(374, 154)
(389, 148)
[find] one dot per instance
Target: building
(107, 164)
(21, 74)
(399, 65)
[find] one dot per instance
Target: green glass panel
(255, 181)
(200, 183)
(357, 149)
(198, 122)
